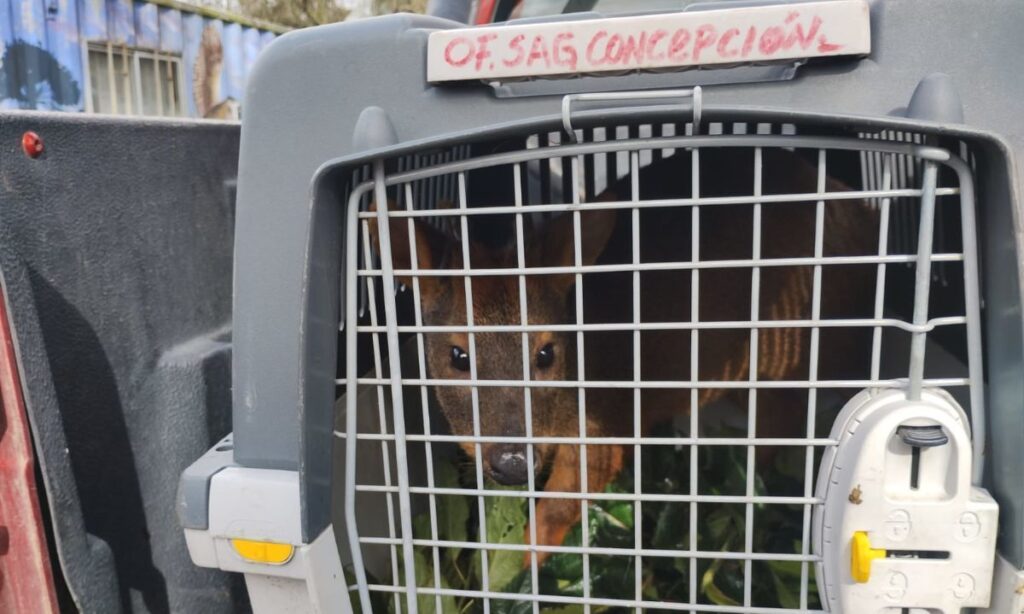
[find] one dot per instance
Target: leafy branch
(664, 526)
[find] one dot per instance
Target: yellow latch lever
(861, 556)
(270, 553)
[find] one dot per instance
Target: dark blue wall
(42, 44)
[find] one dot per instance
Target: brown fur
(787, 229)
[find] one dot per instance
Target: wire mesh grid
(689, 517)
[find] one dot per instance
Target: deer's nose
(508, 464)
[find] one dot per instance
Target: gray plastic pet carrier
(711, 310)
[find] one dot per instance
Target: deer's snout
(507, 464)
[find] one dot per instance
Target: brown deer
(726, 233)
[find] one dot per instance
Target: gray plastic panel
(115, 249)
(194, 488)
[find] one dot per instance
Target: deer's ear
(557, 246)
(430, 245)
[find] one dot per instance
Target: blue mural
(233, 84)
(42, 65)
(38, 82)
(171, 40)
(120, 22)
(40, 59)
(192, 31)
(147, 26)
(251, 49)
(94, 19)
(64, 44)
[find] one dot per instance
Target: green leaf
(377, 600)
(666, 469)
(425, 577)
(786, 597)
(789, 463)
(565, 565)
(452, 516)
(421, 526)
(621, 511)
(671, 526)
(708, 587)
(607, 530)
(506, 524)
(523, 584)
(452, 512)
(786, 569)
(720, 524)
(612, 576)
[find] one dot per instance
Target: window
(125, 81)
(160, 84)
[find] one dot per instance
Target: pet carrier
(709, 310)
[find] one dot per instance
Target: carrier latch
(900, 524)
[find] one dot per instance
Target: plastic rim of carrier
(651, 42)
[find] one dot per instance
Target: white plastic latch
(901, 526)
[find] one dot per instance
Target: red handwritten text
(604, 49)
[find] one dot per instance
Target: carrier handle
(567, 101)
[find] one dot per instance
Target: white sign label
(704, 38)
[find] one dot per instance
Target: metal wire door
(415, 545)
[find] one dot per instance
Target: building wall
(44, 53)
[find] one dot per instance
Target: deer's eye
(460, 359)
(546, 356)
